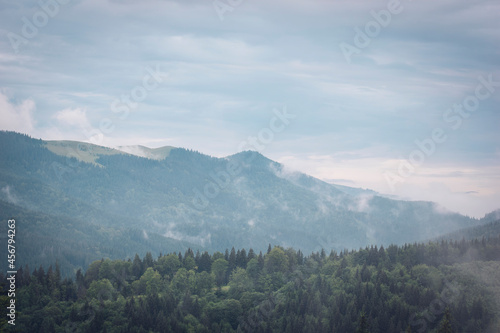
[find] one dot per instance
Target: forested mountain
(487, 230)
(434, 287)
(43, 239)
(73, 191)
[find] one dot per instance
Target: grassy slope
(84, 152)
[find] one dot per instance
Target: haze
(207, 78)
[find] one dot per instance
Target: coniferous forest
(443, 286)
(235, 166)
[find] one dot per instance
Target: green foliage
(168, 265)
(226, 310)
(219, 268)
(239, 282)
(150, 282)
(363, 324)
(445, 326)
(276, 261)
(371, 290)
(101, 290)
(183, 281)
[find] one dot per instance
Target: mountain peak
(250, 155)
(142, 151)
(252, 158)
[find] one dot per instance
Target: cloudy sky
(400, 97)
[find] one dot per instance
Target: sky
(401, 97)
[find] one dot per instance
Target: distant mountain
(488, 230)
(491, 217)
(244, 200)
(354, 191)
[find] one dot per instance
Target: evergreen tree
(445, 326)
(231, 261)
(137, 268)
(251, 255)
(148, 260)
(363, 324)
(204, 263)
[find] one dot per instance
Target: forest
(441, 286)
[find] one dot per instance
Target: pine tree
(445, 326)
(241, 258)
(148, 260)
(197, 257)
(205, 262)
(363, 324)
(137, 268)
(251, 254)
(58, 274)
(232, 261)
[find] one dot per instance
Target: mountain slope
(489, 230)
(214, 203)
(43, 239)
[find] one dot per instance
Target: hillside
(491, 229)
(44, 239)
(209, 203)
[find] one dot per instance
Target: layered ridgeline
(111, 203)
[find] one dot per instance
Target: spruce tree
(363, 324)
(445, 326)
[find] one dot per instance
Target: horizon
(395, 96)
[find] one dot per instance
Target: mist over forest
(249, 166)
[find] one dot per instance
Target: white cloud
(11, 197)
(73, 117)
(16, 117)
(362, 203)
(471, 190)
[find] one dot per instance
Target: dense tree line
(412, 288)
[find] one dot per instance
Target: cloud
(73, 118)
(448, 198)
(9, 196)
(17, 117)
(361, 203)
(347, 182)
(285, 172)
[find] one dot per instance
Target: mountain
(44, 239)
(489, 230)
(204, 202)
(152, 153)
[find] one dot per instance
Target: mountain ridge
(244, 200)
